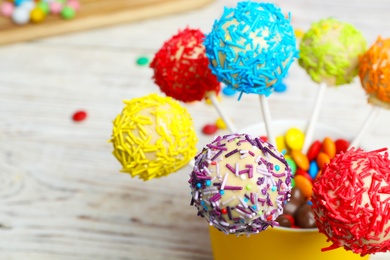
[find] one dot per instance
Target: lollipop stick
(365, 126)
(309, 131)
(267, 118)
(225, 118)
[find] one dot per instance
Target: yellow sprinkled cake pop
(153, 137)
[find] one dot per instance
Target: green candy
(68, 13)
(292, 165)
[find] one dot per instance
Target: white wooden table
(61, 193)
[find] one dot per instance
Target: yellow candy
(294, 138)
(208, 101)
(220, 123)
(298, 33)
(37, 15)
(280, 143)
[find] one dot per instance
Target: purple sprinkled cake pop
(240, 184)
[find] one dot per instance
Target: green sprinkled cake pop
(329, 51)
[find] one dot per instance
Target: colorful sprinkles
(153, 137)
(329, 51)
(181, 68)
(249, 182)
(351, 201)
(251, 47)
(374, 72)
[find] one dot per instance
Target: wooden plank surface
(95, 14)
(61, 193)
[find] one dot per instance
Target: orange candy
(304, 184)
(322, 159)
(300, 159)
(329, 147)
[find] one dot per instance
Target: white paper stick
(363, 129)
(267, 119)
(311, 124)
(213, 98)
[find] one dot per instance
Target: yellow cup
(280, 243)
(277, 244)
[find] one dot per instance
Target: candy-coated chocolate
(220, 123)
(304, 217)
(294, 138)
(304, 184)
(297, 196)
(341, 145)
(329, 147)
(322, 159)
(37, 15)
(313, 170)
(292, 165)
(7, 9)
(209, 129)
(314, 150)
(68, 13)
(280, 143)
(300, 159)
(264, 138)
(227, 91)
(284, 221)
(304, 174)
(21, 16)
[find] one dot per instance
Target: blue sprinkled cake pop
(251, 47)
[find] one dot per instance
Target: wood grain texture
(61, 193)
(95, 14)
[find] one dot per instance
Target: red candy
(209, 129)
(79, 116)
(341, 145)
(264, 138)
(314, 150)
(304, 174)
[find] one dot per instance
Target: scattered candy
(142, 61)
(209, 129)
(37, 15)
(280, 87)
(7, 9)
(23, 11)
(280, 143)
(227, 91)
(68, 13)
(220, 123)
(79, 116)
(20, 16)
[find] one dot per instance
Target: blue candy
(313, 170)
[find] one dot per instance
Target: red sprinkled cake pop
(351, 201)
(181, 68)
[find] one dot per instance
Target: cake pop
(351, 201)
(329, 53)
(374, 74)
(153, 137)
(181, 67)
(251, 47)
(240, 184)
